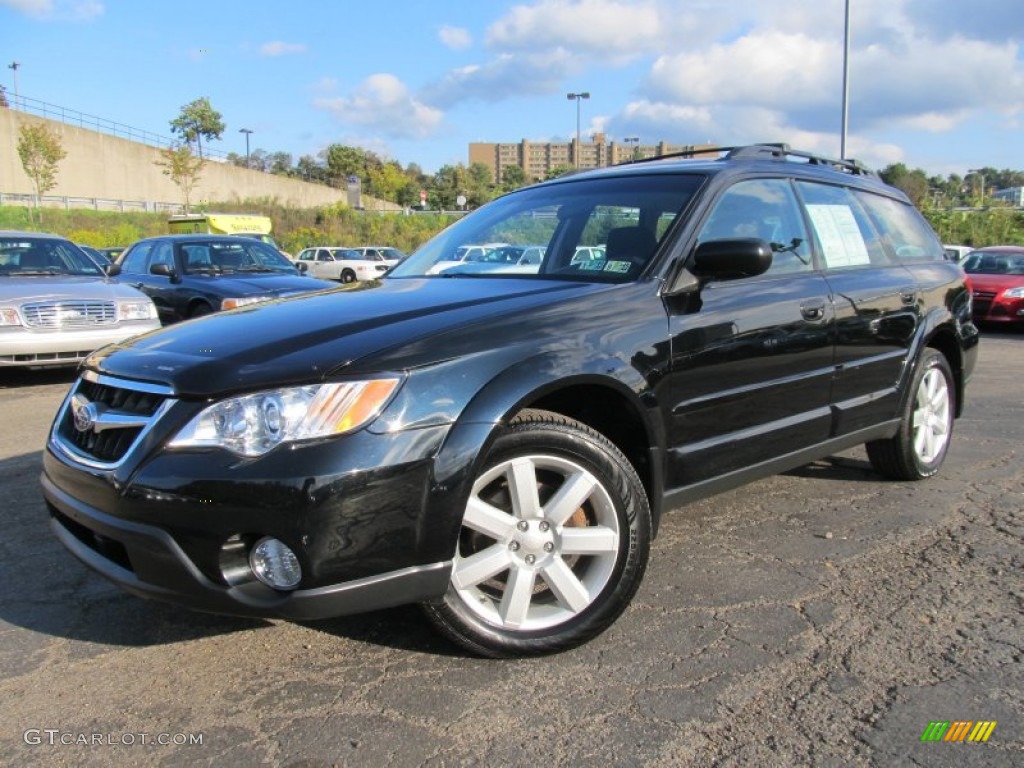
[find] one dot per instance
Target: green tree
(183, 167)
(3, 97)
(558, 170)
(513, 177)
(198, 120)
(279, 163)
(40, 151)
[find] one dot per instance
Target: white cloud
(56, 10)
(278, 48)
(455, 38)
(382, 103)
(587, 27)
(505, 76)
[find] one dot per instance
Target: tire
(348, 276)
(199, 310)
(553, 545)
(919, 447)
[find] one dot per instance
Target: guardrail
(101, 124)
(95, 203)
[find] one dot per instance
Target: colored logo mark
(958, 730)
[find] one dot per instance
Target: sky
(933, 84)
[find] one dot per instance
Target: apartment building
(537, 159)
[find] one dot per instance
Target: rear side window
(904, 231)
(845, 235)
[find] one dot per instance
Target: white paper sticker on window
(839, 235)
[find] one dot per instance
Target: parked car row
(347, 264)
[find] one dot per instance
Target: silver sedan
(57, 305)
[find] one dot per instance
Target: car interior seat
(34, 258)
(632, 244)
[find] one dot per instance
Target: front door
(752, 364)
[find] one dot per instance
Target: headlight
(9, 316)
(243, 302)
(253, 424)
(136, 310)
(1014, 293)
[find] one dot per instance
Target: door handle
(813, 311)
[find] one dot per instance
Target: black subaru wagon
(499, 443)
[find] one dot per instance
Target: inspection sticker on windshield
(622, 267)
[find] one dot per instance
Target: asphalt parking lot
(823, 617)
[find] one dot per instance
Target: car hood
(382, 324)
(15, 289)
(256, 284)
(994, 283)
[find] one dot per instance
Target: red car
(997, 280)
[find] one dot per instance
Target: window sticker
(621, 267)
(840, 236)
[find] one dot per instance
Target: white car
(467, 254)
(383, 252)
(344, 264)
(57, 305)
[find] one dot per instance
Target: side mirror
(112, 270)
(302, 267)
(731, 259)
(166, 270)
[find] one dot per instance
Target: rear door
(877, 304)
(752, 364)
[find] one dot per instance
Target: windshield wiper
(36, 272)
(258, 269)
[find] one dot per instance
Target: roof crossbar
(768, 151)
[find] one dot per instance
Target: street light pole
(246, 131)
(846, 82)
(978, 172)
(635, 141)
(13, 66)
(577, 97)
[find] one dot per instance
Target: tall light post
(247, 132)
(846, 82)
(577, 97)
(978, 172)
(635, 141)
(13, 66)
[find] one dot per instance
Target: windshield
(243, 255)
(984, 263)
(27, 256)
(621, 221)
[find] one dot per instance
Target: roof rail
(768, 151)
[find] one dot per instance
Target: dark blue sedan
(193, 275)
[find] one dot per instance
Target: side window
(135, 259)
(846, 237)
(767, 209)
(904, 230)
(306, 256)
(162, 254)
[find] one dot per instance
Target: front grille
(69, 314)
(120, 413)
(982, 301)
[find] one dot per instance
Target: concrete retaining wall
(98, 165)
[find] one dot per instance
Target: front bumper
(360, 512)
(20, 346)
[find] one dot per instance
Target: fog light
(275, 564)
